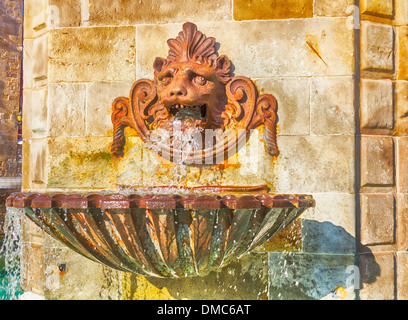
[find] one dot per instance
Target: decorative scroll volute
(120, 119)
(143, 96)
(194, 92)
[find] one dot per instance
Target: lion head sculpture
(194, 92)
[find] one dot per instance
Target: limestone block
(377, 276)
(401, 12)
(39, 126)
(40, 60)
(38, 163)
(376, 104)
(402, 53)
(330, 8)
(377, 47)
(377, 161)
(381, 8)
(313, 164)
(66, 109)
(81, 163)
(31, 232)
(25, 167)
(264, 49)
(100, 97)
(32, 268)
(402, 275)
(401, 108)
(92, 54)
(130, 12)
(377, 219)
(64, 13)
(10, 80)
(293, 96)
(35, 62)
(299, 276)
(35, 18)
(332, 106)
(267, 9)
(330, 226)
(131, 169)
(35, 113)
(402, 164)
(402, 221)
(84, 279)
(28, 63)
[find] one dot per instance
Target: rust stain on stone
(312, 43)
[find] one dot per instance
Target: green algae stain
(82, 170)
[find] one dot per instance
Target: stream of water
(10, 254)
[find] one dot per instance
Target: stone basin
(162, 235)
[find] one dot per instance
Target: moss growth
(82, 170)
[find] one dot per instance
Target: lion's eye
(200, 80)
(165, 81)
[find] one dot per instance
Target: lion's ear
(223, 68)
(158, 65)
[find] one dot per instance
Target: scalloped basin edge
(162, 235)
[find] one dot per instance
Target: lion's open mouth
(180, 111)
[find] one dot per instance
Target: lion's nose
(178, 91)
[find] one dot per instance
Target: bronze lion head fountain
(193, 94)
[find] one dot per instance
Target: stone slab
(267, 9)
(130, 12)
(92, 54)
(264, 49)
(313, 164)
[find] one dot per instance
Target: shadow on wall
(328, 261)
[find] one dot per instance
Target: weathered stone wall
(10, 75)
(383, 145)
(79, 55)
(11, 18)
